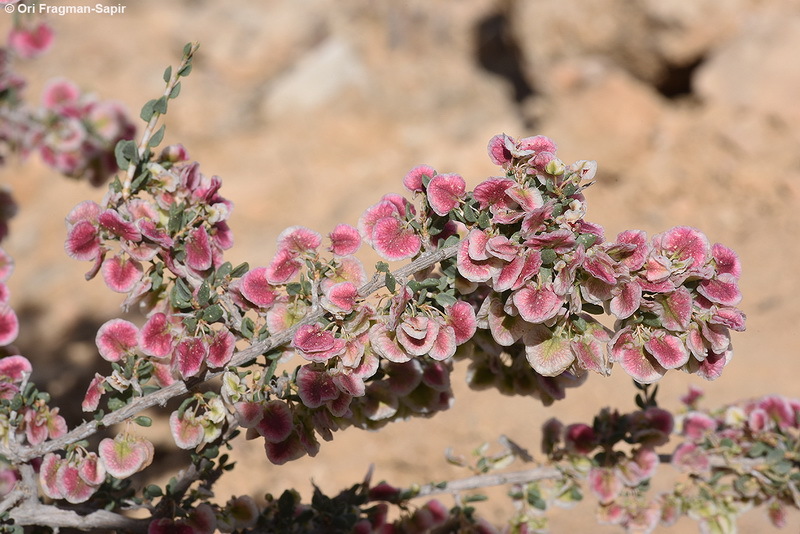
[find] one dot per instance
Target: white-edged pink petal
(417, 334)
(685, 243)
(117, 338)
(198, 249)
(121, 273)
(366, 223)
(723, 289)
(384, 344)
(93, 393)
(9, 325)
(255, 287)
(675, 310)
(393, 240)
(445, 191)
(123, 455)
(627, 301)
(190, 354)
(604, 484)
(537, 304)
(83, 241)
(299, 240)
(276, 423)
(112, 221)
(345, 240)
(413, 180)
(445, 344)
(340, 298)
(283, 267)
(726, 261)
(187, 432)
(499, 149)
(15, 368)
(248, 413)
(549, 355)
(92, 470)
(624, 350)
(461, 316)
(668, 350)
(220, 348)
(475, 270)
(73, 488)
(314, 387)
(155, 337)
(48, 474)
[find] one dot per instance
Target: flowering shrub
(510, 277)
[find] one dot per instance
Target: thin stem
(153, 122)
(487, 480)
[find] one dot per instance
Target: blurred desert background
(310, 110)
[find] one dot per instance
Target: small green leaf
(115, 404)
(191, 324)
(175, 91)
(140, 181)
(247, 327)
(391, 283)
(382, 267)
(152, 491)
(157, 137)
(167, 74)
(148, 110)
(160, 105)
(186, 70)
(143, 420)
(240, 270)
(203, 294)
(212, 314)
(223, 272)
(187, 49)
(445, 299)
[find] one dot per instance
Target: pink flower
(28, 43)
(121, 273)
(155, 337)
(626, 351)
(444, 192)
(340, 298)
(345, 240)
(547, 353)
(255, 287)
(190, 354)
(605, 484)
(316, 344)
(117, 338)
(9, 324)
(414, 181)
(276, 423)
(394, 240)
(299, 240)
(125, 454)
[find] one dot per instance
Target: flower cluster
(74, 132)
(737, 456)
(510, 277)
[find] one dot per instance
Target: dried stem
(488, 480)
